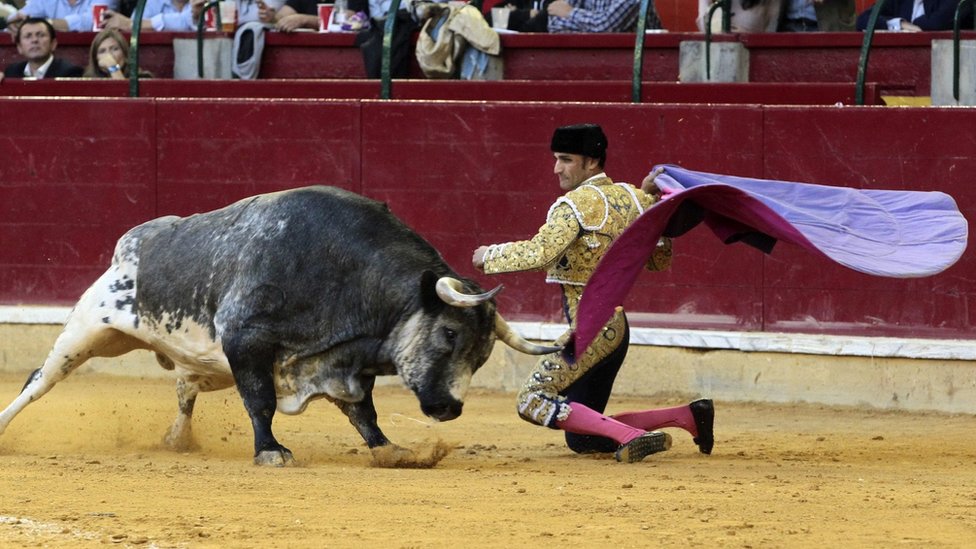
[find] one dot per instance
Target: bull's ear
(429, 299)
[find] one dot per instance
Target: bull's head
(441, 346)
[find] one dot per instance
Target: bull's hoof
(181, 441)
(275, 458)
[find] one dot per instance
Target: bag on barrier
(439, 49)
(248, 48)
(457, 42)
(217, 58)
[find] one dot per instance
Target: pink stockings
(586, 421)
(626, 426)
(651, 420)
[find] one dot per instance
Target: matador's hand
(478, 259)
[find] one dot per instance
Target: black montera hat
(584, 139)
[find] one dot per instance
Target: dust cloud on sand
(423, 456)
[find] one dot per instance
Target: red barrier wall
(78, 173)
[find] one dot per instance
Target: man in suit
(36, 41)
(915, 15)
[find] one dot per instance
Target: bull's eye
(450, 335)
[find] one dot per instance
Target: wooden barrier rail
(765, 93)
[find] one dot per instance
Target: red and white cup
(98, 16)
(325, 16)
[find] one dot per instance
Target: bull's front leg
(362, 415)
(251, 358)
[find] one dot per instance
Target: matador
(571, 392)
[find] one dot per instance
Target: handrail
(385, 80)
(133, 62)
(200, 24)
(638, 74)
(862, 65)
(726, 27)
(955, 49)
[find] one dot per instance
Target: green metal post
(955, 50)
(637, 82)
(726, 27)
(862, 65)
(200, 24)
(385, 78)
(133, 62)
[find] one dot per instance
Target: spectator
(36, 40)
(294, 15)
(798, 16)
(835, 15)
(109, 57)
(525, 15)
(252, 10)
(915, 15)
(747, 15)
(160, 15)
(782, 15)
(370, 38)
(598, 15)
(64, 15)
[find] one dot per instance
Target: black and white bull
(290, 296)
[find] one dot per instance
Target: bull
(290, 296)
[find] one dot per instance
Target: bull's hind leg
(180, 434)
(82, 338)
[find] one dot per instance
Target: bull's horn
(449, 290)
(519, 343)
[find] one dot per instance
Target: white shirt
(41, 71)
(78, 16)
(918, 10)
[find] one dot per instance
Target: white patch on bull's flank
(190, 345)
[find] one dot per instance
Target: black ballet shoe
(649, 443)
(704, 413)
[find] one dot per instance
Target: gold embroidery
(539, 400)
(580, 227)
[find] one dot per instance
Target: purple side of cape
(883, 233)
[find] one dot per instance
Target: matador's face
(573, 169)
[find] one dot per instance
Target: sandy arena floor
(82, 468)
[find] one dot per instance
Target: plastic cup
(228, 16)
(325, 14)
(499, 18)
(98, 16)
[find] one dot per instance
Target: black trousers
(593, 391)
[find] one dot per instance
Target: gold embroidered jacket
(579, 228)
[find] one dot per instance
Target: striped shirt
(603, 16)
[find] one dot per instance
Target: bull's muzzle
(443, 411)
